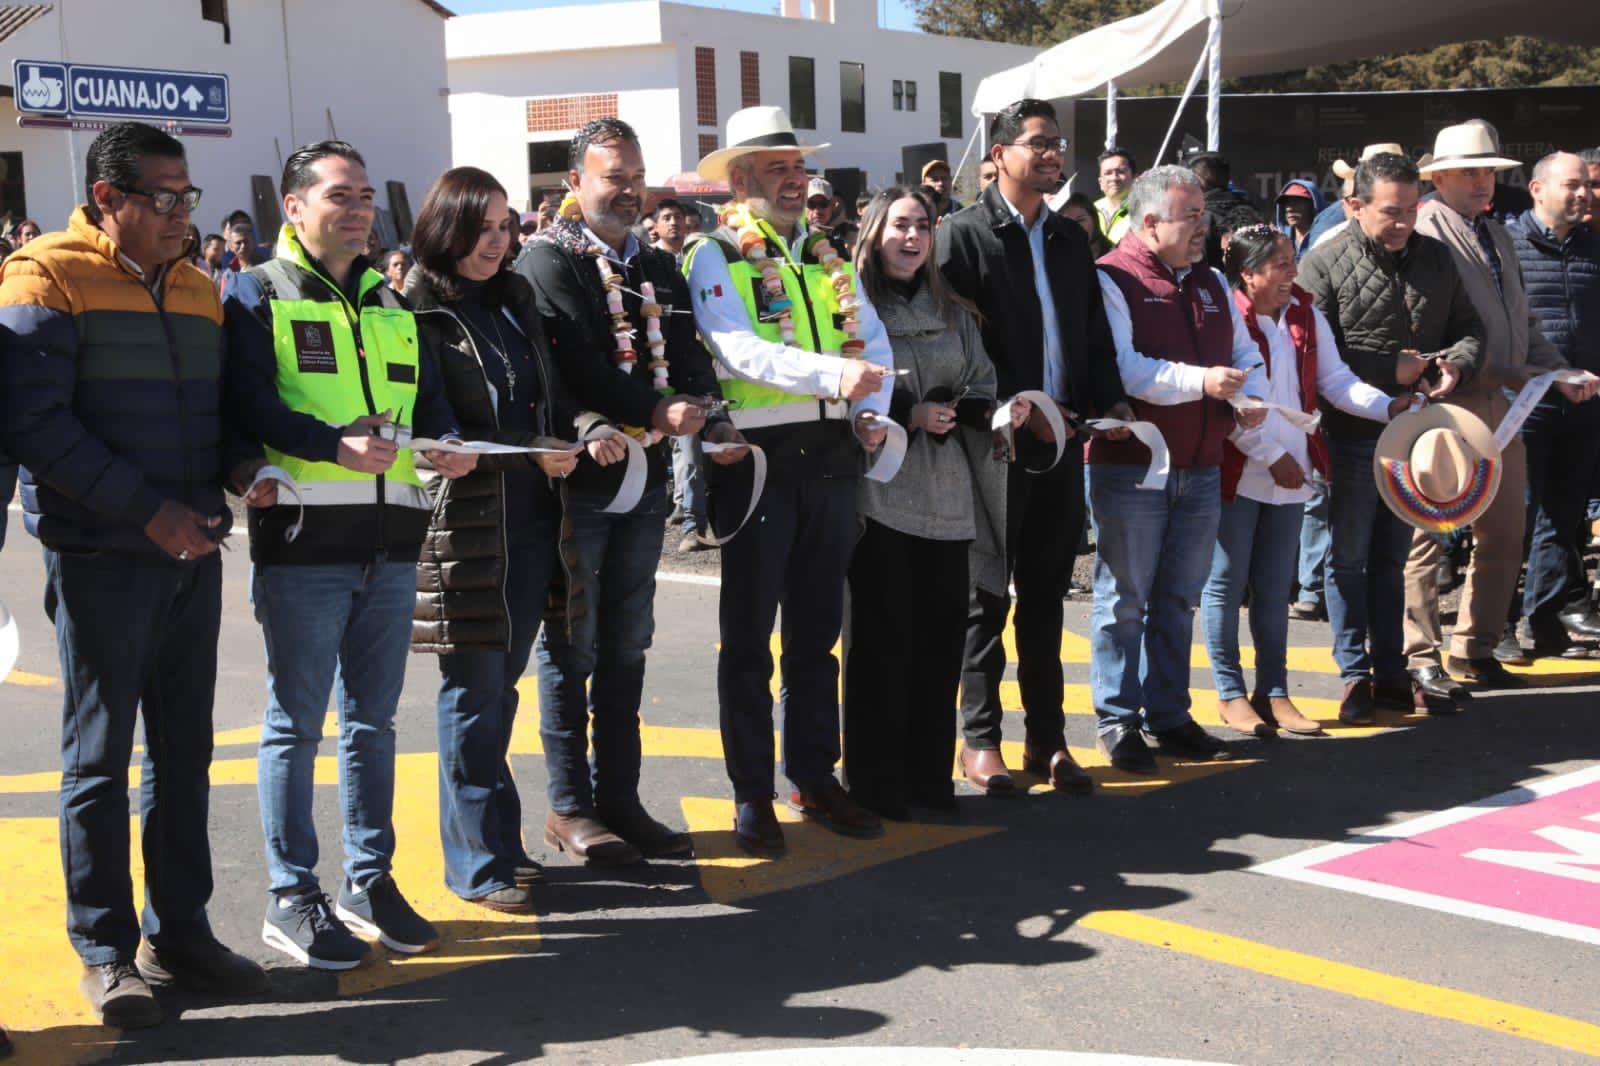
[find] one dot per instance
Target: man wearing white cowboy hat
(1462, 168)
(805, 368)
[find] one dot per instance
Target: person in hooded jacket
(490, 550)
(1295, 211)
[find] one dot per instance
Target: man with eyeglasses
(1031, 275)
(112, 371)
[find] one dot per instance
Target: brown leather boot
(1059, 768)
(1238, 715)
(587, 840)
(986, 769)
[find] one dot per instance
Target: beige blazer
(1512, 337)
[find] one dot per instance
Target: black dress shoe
(1308, 611)
(1486, 673)
(1191, 741)
(1554, 646)
(756, 829)
(1433, 681)
(1585, 622)
(1393, 694)
(654, 840)
(1509, 650)
(1127, 751)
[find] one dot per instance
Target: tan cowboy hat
(1467, 145)
(1344, 170)
(754, 129)
(1438, 469)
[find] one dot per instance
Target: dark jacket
(112, 394)
(1378, 303)
(570, 295)
(346, 533)
(984, 255)
(461, 572)
(1562, 279)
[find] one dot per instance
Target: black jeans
(1044, 519)
(902, 664)
(794, 552)
(137, 636)
(1563, 444)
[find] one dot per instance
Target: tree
(1510, 63)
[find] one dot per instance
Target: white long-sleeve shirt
(1162, 381)
(1276, 437)
(725, 326)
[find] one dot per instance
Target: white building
(371, 72)
(521, 82)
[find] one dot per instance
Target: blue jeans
(689, 482)
(1315, 542)
(480, 813)
(1563, 444)
(598, 667)
(1366, 569)
(345, 628)
(137, 637)
(1256, 544)
(1152, 553)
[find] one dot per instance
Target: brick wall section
(705, 86)
(553, 113)
(707, 145)
(749, 79)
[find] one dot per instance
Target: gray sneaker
(380, 910)
(120, 996)
(304, 928)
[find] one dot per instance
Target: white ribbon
(634, 475)
(10, 642)
(1155, 478)
(285, 484)
(891, 453)
(1306, 422)
(1528, 398)
(486, 447)
(1052, 414)
(758, 484)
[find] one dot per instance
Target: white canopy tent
(1264, 37)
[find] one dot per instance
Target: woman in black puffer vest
(490, 553)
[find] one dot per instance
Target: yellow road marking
(815, 853)
(27, 680)
(1371, 985)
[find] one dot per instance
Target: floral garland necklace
(754, 247)
(625, 358)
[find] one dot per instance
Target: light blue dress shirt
(1055, 369)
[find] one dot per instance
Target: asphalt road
(1132, 922)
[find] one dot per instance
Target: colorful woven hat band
(1447, 516)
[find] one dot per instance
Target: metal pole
(1111, 115)
(1214, 81)
(1188, 91)
(978, 129)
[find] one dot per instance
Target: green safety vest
(813, 306)
(1117, 227)
(337, 363)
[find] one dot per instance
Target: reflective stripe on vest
(323, 371)
(814, 309)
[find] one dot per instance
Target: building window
(899, 95)
(852, 97)
(949, 105)
(217, 11)
(549, 114)
(749, 79)
(707, 144)
(911, 96)
(803, 92)
(705, 86)
(547, 157)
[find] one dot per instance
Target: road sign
(83, 91)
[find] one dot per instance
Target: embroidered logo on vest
(313, 348)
